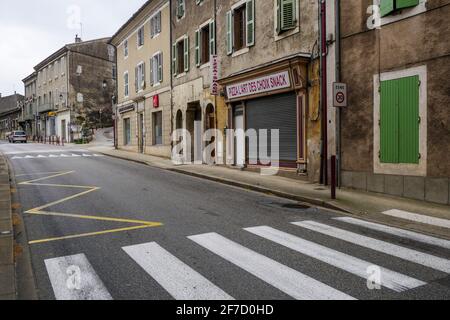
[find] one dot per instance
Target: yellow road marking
(40, 210)
(77, 216)
(36, 174)
(99, 233)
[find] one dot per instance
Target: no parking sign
(340, 94)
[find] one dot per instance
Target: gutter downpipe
(324, 88)
(338, 79)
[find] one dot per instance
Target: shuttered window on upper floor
(286, 15)
(400, 121)
(389, 6)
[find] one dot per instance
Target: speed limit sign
(340, 94)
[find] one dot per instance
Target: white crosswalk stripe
(73, 278)
(421, 258)
(397, 232)
(177, 278)
(437, 222)
(392, 280)
(289, 281)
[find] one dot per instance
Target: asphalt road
(103, 228)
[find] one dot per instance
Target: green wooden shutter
(250, 17)
(212, 37)
(389, 121)
(386, 7)
(197, 48)
(186, 54)
(229, 20)
(288, 16)
(174, 60)
(400, 4)
(409, 120)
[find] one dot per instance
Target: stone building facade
(395, 133)
(10, 113)
(29, 106)
(75, 86)
(144, 109)
(269, 77)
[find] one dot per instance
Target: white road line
(73, 278)
(390, 279)
(398, 232)
(41, 156)
(424, 259)
(290, 281)
(86, 155)
(444, 223)
(16, 157)
(177, 278)
(64, 156)
(43, 151)
(30, 157)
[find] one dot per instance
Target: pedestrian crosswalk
(56, 155)
(183, 280)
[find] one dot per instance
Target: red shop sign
(156, 101)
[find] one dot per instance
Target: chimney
(77, 39)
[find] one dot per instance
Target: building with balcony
(29, 106)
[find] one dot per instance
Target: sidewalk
(369, 206)
(7, 267)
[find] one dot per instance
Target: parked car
(17, 136)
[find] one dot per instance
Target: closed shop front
(278, 112)
(263, 103)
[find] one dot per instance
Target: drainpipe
(337, 6)
(324, 87)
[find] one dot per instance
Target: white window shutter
(152, 76)
(174, 59)
(212, 37)
(197, 48)
(160, 67)
(186, 54)
(229, 19)
(250, 23)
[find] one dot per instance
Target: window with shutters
(125, 49)
(140, 37)
(180, 56)
(140, 77)
(126, 85)
(388, 7)
(181, 8)
(240, 26)
(205, 43)
(155, 25)
(287, 13)
(156, 69)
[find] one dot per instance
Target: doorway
(141, 133)
(239, 143)
(63, 131)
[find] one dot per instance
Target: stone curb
(7, 265)
(309, 200)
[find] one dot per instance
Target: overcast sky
(31, 30)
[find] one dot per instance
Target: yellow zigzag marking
(87, 189)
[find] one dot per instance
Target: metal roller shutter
(275, 112)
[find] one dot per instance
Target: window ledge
(404, 13)
(181, 75)
(286, 34)
(156, 36)
(205, 65)
(240, 52)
